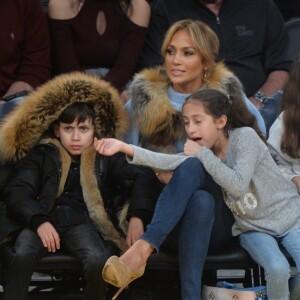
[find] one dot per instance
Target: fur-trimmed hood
(21, 130)
(152, 112)
(27, 124)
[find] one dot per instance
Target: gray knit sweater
(255, 190)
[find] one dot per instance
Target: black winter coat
(34, 185)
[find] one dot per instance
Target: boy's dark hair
(232, 106)
(79, 111)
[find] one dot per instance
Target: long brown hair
(290, 141)
(232, 106)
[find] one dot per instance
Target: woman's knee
(202, 205)
(192, 163)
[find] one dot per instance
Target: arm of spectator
(140, 13)
(132, 45)
(34, 68)
(276, 63)
(63, 48)
(275, 82)
(259, 119)
(135, 230)
(17, 87)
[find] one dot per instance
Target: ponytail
(232, 106)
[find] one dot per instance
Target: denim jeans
(186, 201)
(83, 241)
(7, 107)
(271, 109)
(264, 249)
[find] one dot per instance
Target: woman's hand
(164, 177)
(135, 230)
(109, 147)
(191, 148)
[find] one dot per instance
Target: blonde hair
(205, 40)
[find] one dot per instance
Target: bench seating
(162, 268)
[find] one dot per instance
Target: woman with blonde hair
(201, 220)
(190, 49)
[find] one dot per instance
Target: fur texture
(25, 126)
(152, 111)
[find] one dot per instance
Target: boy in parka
(62, 193)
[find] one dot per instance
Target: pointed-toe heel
(119, 274)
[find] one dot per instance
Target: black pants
(83, 241)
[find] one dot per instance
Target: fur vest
(158, 122)
(27, 125)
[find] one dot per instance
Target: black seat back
(293, 29)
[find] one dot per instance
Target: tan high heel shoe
(120, 275)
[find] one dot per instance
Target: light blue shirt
(177, 100)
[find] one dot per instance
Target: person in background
(62, 194)
(25, 51)
(289, 9)
(253, 43)
(284, 138)
(190, 49)
(224, 140)
(157, 94)
(103, 37)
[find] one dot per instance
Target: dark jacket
(43, 164)
(253, 38)
(25, 44)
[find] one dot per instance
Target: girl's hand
(296, 181)
(191, 148)
(108, 147)
(164, 177)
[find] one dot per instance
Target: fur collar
(25, 126)
(152, 112)
(91, 193)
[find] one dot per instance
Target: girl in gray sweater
(265, 205)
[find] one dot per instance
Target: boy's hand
(109, 147)
(135, 230)
(191, 148)
(49, 236)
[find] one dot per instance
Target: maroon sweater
(25, 43)
(77, 45)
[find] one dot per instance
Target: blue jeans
(264, 249)
(186, 201)
(83, 241)
(7, 107)
(270, 110)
